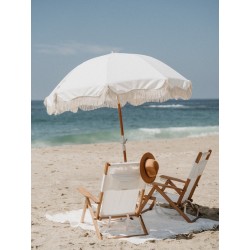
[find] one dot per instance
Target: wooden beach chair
(182, 196)
(121, 195)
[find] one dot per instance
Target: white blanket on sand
(162, 223)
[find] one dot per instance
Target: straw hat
(148, 167)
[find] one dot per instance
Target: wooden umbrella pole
(122, 130)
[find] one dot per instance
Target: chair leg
(143, 225)
(84, 210)
(152, 203)
(151, 206)
(146, 199)
(173, 205)
(94, 219)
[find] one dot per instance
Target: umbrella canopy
(116, 79)
(134, 78)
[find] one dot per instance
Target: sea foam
(172, 132)
(168, 106)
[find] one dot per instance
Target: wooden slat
(198, 157)
(183, 192)
(210, 151)
(194, 187)
(166, 186)
(171, 178)
(86, 193)
(106, 167)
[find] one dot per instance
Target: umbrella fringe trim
(108, 99)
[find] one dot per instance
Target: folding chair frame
(95, 215)
(179, 206)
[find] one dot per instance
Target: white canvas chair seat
(121, 194)
(183, 189)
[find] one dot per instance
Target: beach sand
(58, 171)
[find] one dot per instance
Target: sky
(183, 34)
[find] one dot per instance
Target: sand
(58, 171)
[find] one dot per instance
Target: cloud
(73, 48)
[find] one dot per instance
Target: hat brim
(143, 172)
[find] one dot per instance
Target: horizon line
(198, 98)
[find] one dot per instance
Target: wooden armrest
(171, 178)
(166, 186)
(86, 193)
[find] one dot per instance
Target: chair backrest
(195, 173)
(120, 187)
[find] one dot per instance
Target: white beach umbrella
(116, 79)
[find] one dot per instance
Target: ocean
(150, 121)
